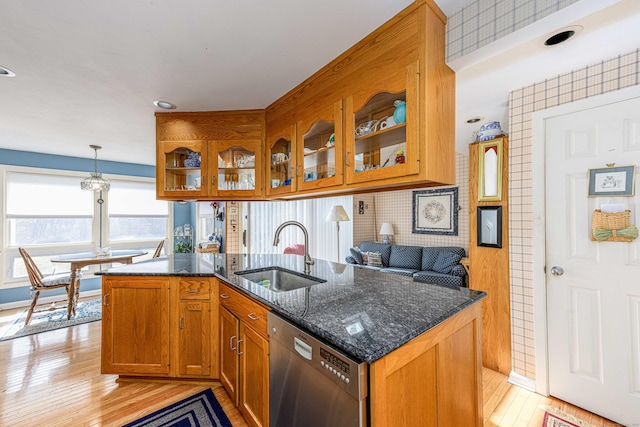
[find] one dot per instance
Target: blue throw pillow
(445, 262)
(357, 255)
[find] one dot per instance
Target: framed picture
(607, 182)
(490, 171)
(436, 211)
(489, 219)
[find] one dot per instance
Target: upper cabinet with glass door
(381, 127)
(281, 155)
(237, 166)
(181, 173)
(320, 157)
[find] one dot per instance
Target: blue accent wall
(50, 161)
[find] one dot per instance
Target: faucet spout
(308, 262)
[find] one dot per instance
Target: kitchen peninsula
(421, 342)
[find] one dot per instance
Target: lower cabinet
(160, 326)
(244, 355)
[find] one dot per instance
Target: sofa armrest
(458, 270)
(350, 260)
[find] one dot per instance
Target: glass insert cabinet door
(381, 131)
(281, 177)
(183, 168)
(238, 164)
(320, 157)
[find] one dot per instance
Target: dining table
(80, 260)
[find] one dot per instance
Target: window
(47, 212)
(47, 209)
(134, 212)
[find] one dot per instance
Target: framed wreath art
(436, 211)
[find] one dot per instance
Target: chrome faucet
(308, 262)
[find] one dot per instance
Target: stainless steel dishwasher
(312, 384)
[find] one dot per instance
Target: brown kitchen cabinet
(231, 155)
(236, 168)
(244, 354)
(282, 160)
(180, 170)
(319, 130)
(160, 327)
(376, 147)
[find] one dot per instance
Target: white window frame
(9, 253)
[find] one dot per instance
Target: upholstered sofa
(439, 265)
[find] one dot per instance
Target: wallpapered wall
(484, 21)
(396, 207)
(606, 76)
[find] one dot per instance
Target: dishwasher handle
(302, 348)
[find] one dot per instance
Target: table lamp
(337, 214)
(386, 231)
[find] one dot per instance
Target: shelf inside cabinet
(182, 171)
(319, 151)
(381, 139)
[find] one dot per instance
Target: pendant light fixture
(95, 182)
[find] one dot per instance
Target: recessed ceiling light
(5, 72)
(474, 119)
(562, 35)
(164, 104)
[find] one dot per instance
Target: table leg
(74, 289)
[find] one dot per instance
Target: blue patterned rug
(199, 410)
(86, 311)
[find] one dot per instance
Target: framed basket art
(436, 211)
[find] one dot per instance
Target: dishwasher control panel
(335, 365)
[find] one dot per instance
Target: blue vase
(400, 113)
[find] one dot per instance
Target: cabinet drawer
(195, 288)
(248, 311)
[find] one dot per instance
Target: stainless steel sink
(279, 279)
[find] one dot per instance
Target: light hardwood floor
(53, 379)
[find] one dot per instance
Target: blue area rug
(86, 311)
(199, 410)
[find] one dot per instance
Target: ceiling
(88, 72)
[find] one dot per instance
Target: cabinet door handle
(213, 180)
(239, 352)
(346, 158)
(231, 347)
(181, 324)
(252, 316)
(224, 296)
(104, 300)
(193, 291)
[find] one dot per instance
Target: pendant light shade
(95, 182)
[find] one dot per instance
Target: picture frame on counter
(436, 211)
(612, 181)
(489, 226)
(490, 170)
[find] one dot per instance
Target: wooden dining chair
(159, 249)
(40, 282)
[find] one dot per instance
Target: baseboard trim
(522, 381)
(45, 300)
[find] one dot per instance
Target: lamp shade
(386, 229)
(337, 213)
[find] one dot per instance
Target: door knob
(557, 271)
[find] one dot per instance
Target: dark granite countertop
(364, 313)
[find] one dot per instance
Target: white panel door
(593, 288)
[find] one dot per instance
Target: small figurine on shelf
(400, 113)
(400, 157)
